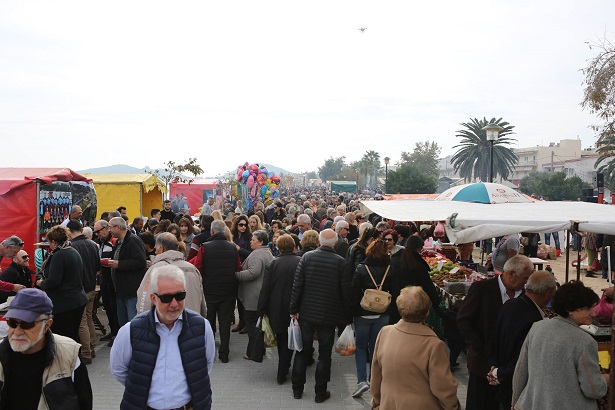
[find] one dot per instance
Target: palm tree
(472, 158)
(370, 165)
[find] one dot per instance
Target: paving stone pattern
(242, 384)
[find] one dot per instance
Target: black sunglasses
(242, 224)
(25, 257)
(13, 323)
(179, 296)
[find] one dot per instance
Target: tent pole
(567, 256)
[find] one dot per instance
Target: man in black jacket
(18, 273)
(321, 298)
(91, 267)
(105, 242)
(515, 321)
(128, 267)
(218, 260)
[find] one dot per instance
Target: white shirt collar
(503, 293)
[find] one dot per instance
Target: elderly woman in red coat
(410, 369)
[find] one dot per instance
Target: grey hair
(114, 214)
(218, 227)
(518, 264)
(303, 218)
(167, 241)
(261, 236)
(364, 226)
(331, 211)
(119, 221)
(103, 223)
(87, 231)
(382, 226)
(169, 272)
(308, 211)
(327, 237)
(340, 225)
(539, 283)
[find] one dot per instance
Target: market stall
(139, 193)
(35, 199)
(194, 194)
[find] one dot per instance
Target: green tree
(312, 175)
(553, 186)
(175, 172)
(425, 157)
(472, 159)
(599, 98)
(410, 179)
(332, 168)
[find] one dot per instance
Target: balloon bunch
(262, 184)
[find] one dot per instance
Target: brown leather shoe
(238, 327)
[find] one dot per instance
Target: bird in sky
(362, 29)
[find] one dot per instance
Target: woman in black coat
(62, 281)
(356, 253)
(274, 299)
(371, 273)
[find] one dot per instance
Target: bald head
(328, 237)
(540, 282)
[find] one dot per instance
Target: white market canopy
(469, 222)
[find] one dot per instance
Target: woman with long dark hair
(242, 238)
(372, 273)
(62, 273)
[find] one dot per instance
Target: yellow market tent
(139, 193)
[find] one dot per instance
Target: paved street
(242, 384)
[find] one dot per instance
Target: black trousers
(107, 292)
(67, 323)
(249, 318)
(222, 308)
(481, 395)
(326, 336)
(284, 353)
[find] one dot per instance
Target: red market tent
(34, 199)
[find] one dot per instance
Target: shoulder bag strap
(379, 287)
(370, 275)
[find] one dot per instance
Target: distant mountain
(114, 169)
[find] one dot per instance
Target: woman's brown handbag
(376, 300)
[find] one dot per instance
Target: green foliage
(472, 160)
(312, 175)
(425, 157)
(332, 169)
(553, 186)
(175, 172)
(599, 98)
(410, 179)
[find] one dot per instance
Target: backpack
(376, 300)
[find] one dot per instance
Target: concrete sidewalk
(242, 384)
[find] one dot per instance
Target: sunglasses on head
(179, 296)
(13, 323)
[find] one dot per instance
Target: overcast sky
(88, 84)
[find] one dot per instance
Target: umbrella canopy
(483, 193)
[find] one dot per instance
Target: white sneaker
(361, 388)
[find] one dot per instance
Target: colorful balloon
(275, 179)
(250, 181)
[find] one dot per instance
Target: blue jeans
(126, 309)
(366, 332)
(555, 239)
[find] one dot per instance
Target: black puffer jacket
(361, 281)
(321, 294)
(131, 266)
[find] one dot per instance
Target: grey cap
(12, 241)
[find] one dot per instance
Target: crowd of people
(169, 283)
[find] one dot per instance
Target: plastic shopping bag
(346, 344)
(604, 310)
(270, 340)
(294, 336)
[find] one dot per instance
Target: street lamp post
(492, 130)
(386, 174)
(357, 171)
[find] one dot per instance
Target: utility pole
(552, 161)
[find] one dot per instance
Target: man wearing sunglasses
(40, 370)
(17, 274)
(164, 356)
(10, 246)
